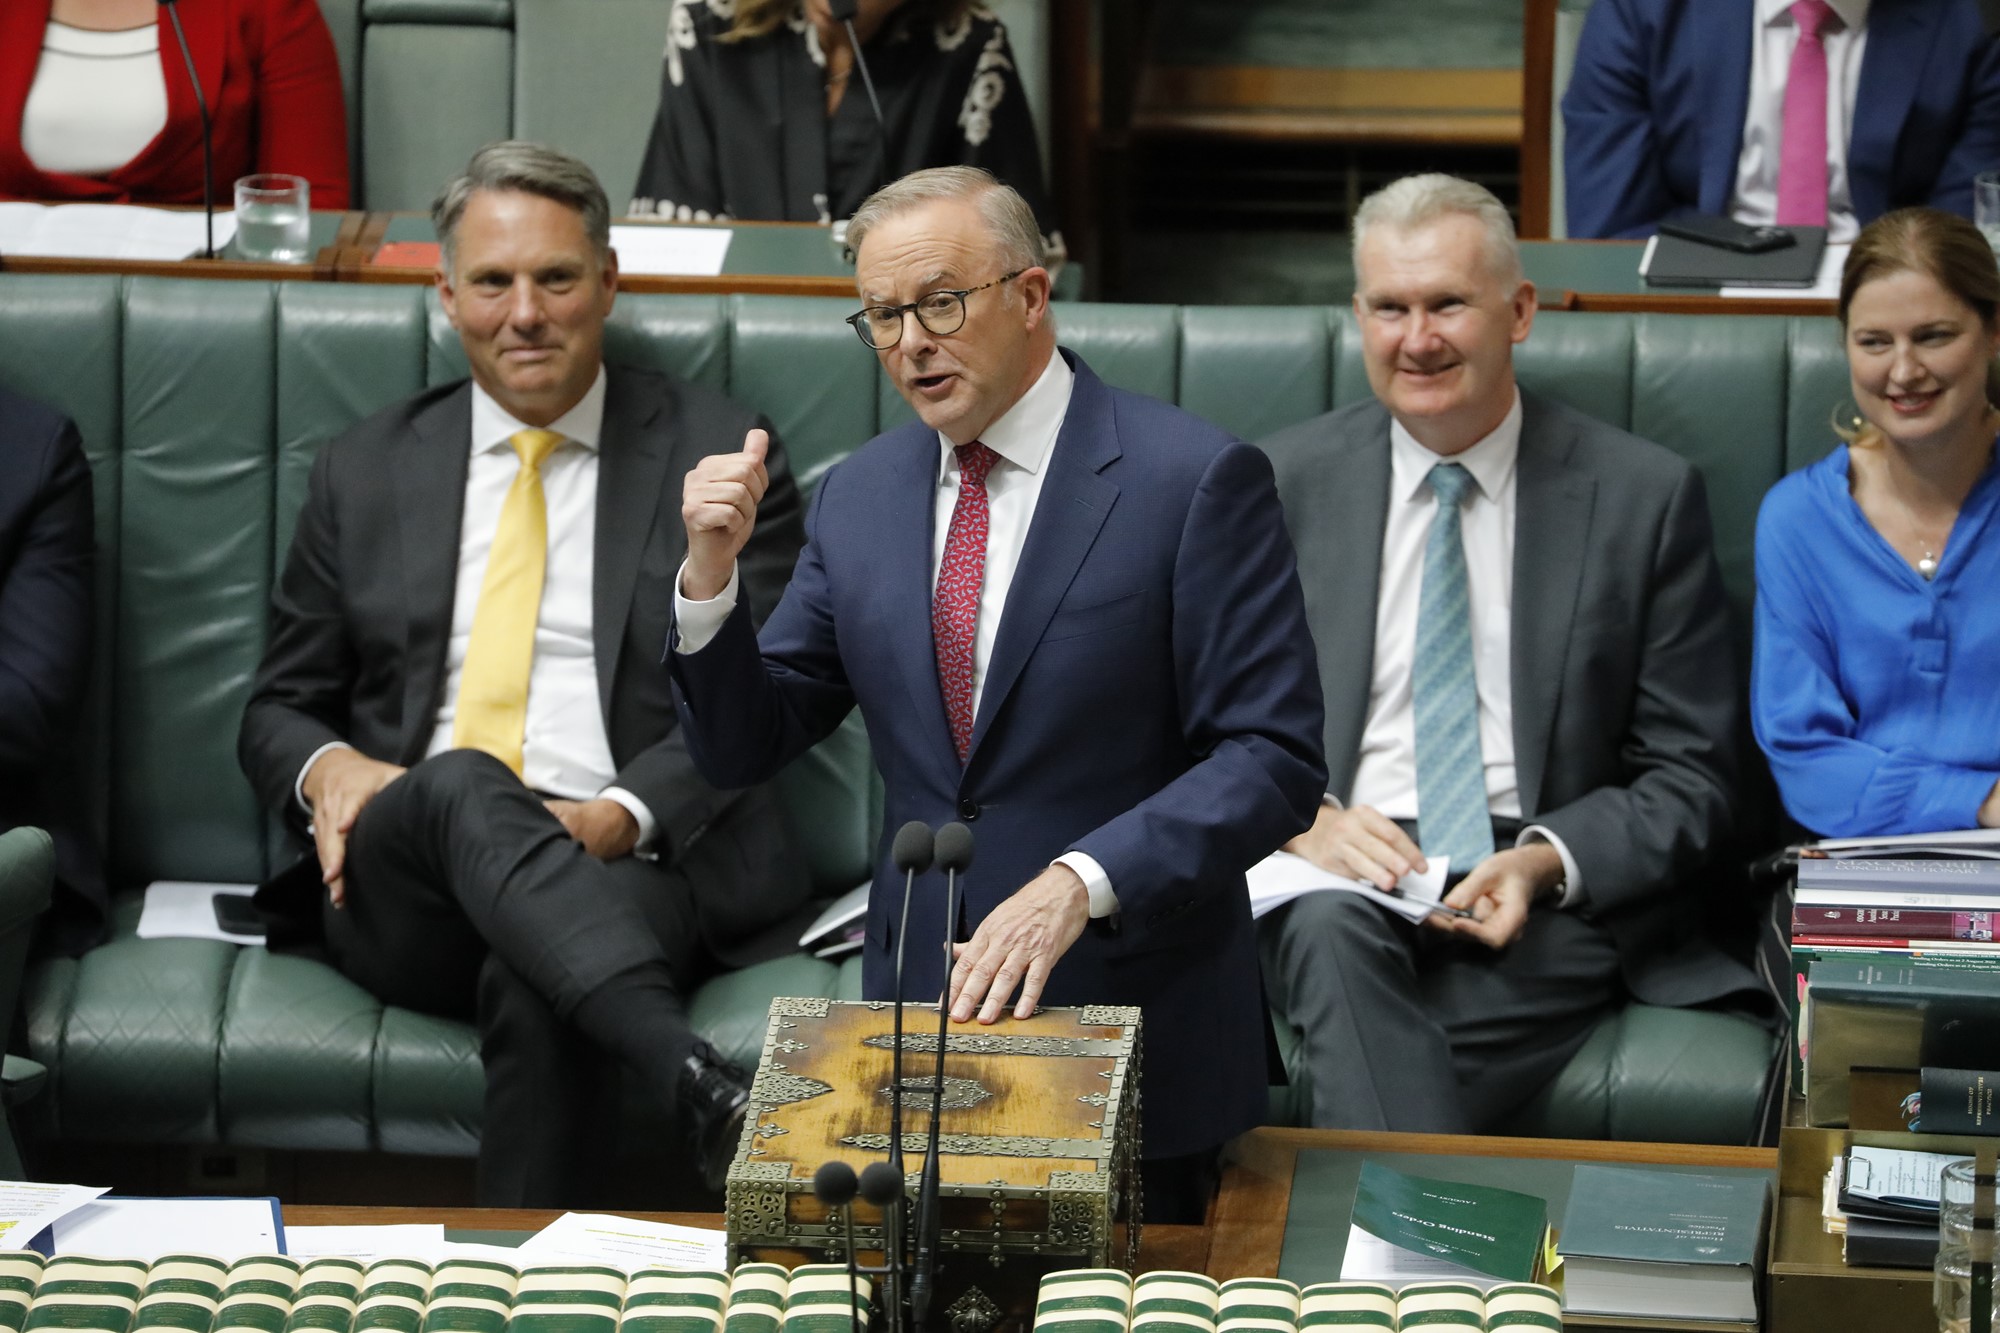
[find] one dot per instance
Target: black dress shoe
(712, 1095)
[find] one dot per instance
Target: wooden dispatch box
(1039, 1144)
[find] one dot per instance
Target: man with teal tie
(1526, 662)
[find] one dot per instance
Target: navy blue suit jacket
(1653, 117)
(1152, 700)
(46, 552)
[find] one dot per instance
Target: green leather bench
(202, 404)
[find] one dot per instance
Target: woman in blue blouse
(1875, 686)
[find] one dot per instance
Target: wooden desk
(332, 234)
(1179, 1248)
(1603, 277)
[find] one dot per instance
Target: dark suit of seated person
(1786, 111)
(462, 693)
(1525, 656)
(762, 114)
(1875, 686)
(46, 558)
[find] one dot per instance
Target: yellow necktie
(493, 691)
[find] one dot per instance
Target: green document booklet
(1662, 1244)
(1492, 1233)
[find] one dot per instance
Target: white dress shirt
(1023, 437)
(97, 100)
(565, 751)
(1385, 776)
(1755, 198)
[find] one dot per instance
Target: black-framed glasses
(942, 313)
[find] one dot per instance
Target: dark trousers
(1407, 1029)
(466, 898)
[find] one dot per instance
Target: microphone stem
(201, 105)
(868, 84)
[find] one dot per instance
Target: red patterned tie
(955, 605)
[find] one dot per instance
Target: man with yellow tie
(460, 703)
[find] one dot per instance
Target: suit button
(968, 808)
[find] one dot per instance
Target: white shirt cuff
(649, 828)
(697, 623)
(299, 782)
(1572, 885)
(1103, 902)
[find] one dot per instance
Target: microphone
(882, 1185)
(953, 851)
(207, 145)
(844, 12)
(911, 854)
(834, 1185)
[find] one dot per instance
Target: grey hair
(1005, 212)
(532, 168)
(1416, 201)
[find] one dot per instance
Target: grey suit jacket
(1625, 689)
(361, 617)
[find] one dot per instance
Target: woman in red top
(85, 117)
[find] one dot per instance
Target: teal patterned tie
(1451, 773)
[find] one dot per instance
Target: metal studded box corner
(1038, 1137)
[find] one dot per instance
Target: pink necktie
(955, 604)
(1802, 155)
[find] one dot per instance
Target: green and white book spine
(76, 1291)
(183, 1291)
(1169, 1302)
(1343, 1305)
(1257, 1305)
(394, 1293)
(1523, 1305)
(20, 1274)
(471, 1296)
(1084, 1300)
(568, 1298)
(329, 1294)
(756, 1298)
(258, 1294)
(1440, 1305)
(822, 1299)
(661, 1300)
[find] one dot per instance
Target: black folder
(1675, 261)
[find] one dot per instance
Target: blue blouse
(1875, 694)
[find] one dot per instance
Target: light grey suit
(1625, 717)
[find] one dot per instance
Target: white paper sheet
(842, 912)
(27, 1206)
(1826, 283)
(148, 1228)
(1369, 1258)
(402, 1240)
(180, 909)
(626, 1243)
(682, 251)
(1281, 877)
(1897, 1174)
(107, 231)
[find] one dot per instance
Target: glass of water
(1986, 207)
(274, 218)
(1961, 1244)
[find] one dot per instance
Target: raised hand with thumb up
(719, 501)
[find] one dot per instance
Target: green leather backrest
(587, 80)
(203, 404)
(343, 20)
(437, 82)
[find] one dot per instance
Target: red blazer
(272, 81)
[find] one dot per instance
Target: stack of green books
(1099, 1300)
(191, 1293)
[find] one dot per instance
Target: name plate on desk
(1038, 1141)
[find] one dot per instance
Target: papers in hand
(1281, 877)
(107, 231)
(626, 1243)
